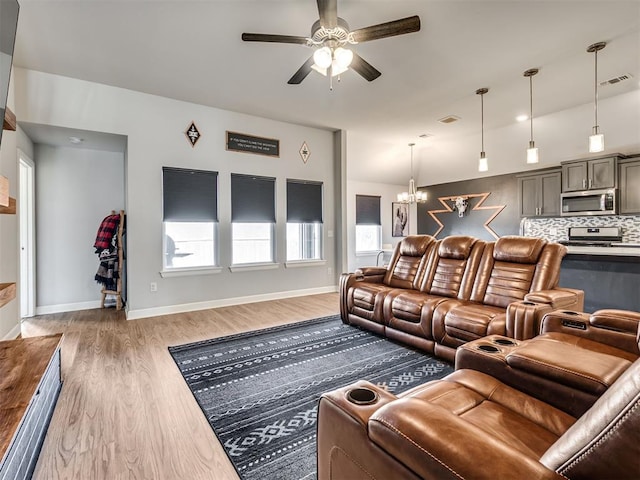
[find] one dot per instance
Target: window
(304, 220)
(368, 228)
(253, 217)
(190, 218)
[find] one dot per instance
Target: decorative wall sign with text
(305, 152)
(240, 142)
(192, 133)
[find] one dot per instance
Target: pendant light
(532, 151)
(483, 163)
(596, 139)
(413, 195)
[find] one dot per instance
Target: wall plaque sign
(240, 142)
(192, 133)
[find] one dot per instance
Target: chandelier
(413, 195)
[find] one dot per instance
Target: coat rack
(118, 291)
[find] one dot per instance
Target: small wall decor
(240, 142)
(478, 206)
(400, 219)
(192, 133)
(305, 152)
(460, 204)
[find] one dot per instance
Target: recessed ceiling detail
(449, 119)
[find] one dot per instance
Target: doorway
(27, 236)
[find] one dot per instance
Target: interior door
(27, 236)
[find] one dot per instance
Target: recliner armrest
(368, 272)
(616, 328)
(435, 443)
(559, 298)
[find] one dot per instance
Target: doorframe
(27, 229)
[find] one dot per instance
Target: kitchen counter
(607, 251)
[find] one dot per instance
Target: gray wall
(155, 129)
(503, 191)
(75, 190)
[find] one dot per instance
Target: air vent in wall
(613, 81)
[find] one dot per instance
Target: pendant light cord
(482, 120)
(531, 105)
(595, 88)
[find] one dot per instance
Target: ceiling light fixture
(76, 140)
(532, 151)
(483, 163)
(522, 118)
(596, 139)
(413, 195)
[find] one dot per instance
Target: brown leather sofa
(439, 294)
(472, 425)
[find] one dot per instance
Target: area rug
(259, 390)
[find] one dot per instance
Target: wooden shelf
(7, 293)
(9, 122)
(4, 191)
(10, 209)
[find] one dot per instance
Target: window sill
(247, 267)
(185, 272)
(368, 253)
(304, 263)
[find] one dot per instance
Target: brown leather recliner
(470, 425)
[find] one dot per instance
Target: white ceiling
(192, 51)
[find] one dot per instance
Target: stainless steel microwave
(589, 202)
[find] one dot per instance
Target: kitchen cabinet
(592, 174)
(629, 181)
(539, 194)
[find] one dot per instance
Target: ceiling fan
(330, 36)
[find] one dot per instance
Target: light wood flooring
(124, 411)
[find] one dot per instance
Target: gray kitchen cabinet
(629, 181)
(593, 174)
(539, 194)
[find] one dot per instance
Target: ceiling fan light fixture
(342, 57)
(322, 57)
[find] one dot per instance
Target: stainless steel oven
(589, 202)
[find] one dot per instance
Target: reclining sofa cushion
(449, 273)
(510, 268)
(365, 296)
(470, 425)
(605, 441)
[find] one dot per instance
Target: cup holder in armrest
(504, 341)
(528, 303)
(489, 348)
(569, 312)
(362, 396)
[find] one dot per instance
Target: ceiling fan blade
(302, 72)
(388, 29)
(364, 68)
(328, 11)
(265, 37)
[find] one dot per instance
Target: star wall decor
(192, 133)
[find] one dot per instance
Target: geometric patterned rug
(259, 390)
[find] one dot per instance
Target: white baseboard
(13, 333)
(224, 302)
(67, 307)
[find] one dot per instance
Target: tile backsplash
(557, 228)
